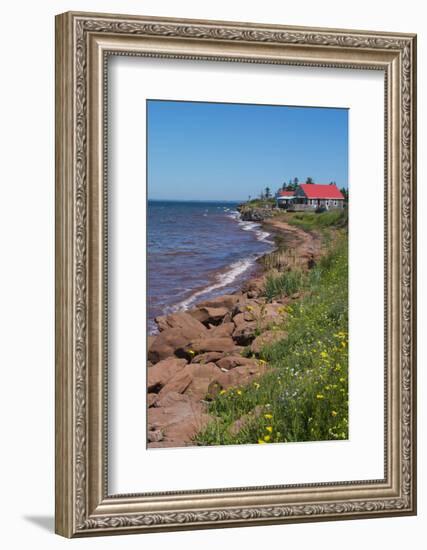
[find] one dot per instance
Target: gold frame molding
(83, 43)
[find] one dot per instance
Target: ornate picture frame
(84, 42)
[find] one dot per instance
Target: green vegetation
(268, 202)
(312, 220)
(283, 284)
(304, 395)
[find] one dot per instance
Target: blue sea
(198, 250)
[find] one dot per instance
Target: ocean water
(198, 250)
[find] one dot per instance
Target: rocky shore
(216, 345)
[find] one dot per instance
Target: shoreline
(202, 351)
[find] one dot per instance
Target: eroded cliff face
(249, 214)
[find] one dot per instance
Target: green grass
(304, 395)
(311, 220)
(283, 284)
(261, 203)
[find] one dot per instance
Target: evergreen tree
(309, 180)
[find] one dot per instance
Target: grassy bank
(304, 396)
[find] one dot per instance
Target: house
(310, 196)
(285, 199)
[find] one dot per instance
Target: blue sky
(220, 151)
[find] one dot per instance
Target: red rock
(244, 420)
(232, 361)
(152, 399)
(179, 418)
(267, 338)
(241, 376)
(209, 357)
(209, 315)
(225, 329)
(245, 331)
(203, 345)
(182, 320)
(160, 373)
(193, 380)
(155, 436)
(150, 340)
(227, 301)
(172, 339)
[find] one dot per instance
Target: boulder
(209, 315)
(154, 435)
(181, 320)
(172, 339)
(161, 372)
(254, 287)
(179, 418)
(152, 399)
(193, 380)
(245, 420)
(245, 330)
(241, 376)
(227, 301)
(150, 340)
(267, 338)
(203, 345)
(232, 361)
(225, 329)
(209, 357)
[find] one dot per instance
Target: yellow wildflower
(239, 392)
(267, 438)
(260, 441)
(268, 416)
(269, 428)
(334, 413)
(324, 354)
(320, 396)
(249, 308)
(222, 392)
(256, 385)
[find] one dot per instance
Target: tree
(284, 186)
(344, 191)
(267, 193)
(261, 195)
(296, 181)
(309, 180)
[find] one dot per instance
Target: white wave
(251, 226)
(222, 279)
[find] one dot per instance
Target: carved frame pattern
(75, 513)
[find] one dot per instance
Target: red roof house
(311, 196)
(321, 191)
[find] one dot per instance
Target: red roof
(321, 191)
(286, 193)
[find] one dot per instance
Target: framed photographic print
(235, 274)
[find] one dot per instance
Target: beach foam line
(222, 279)
(251, 226)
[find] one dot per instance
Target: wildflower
(334, 413)
(342, 379)
(256, 385)
(249, 308)
(268, 416)
(222, 392)
(320, 396)
(239, 392)
(324, 354)
(260, 441)
(267, 438)
(262, 362)
(269, 428)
